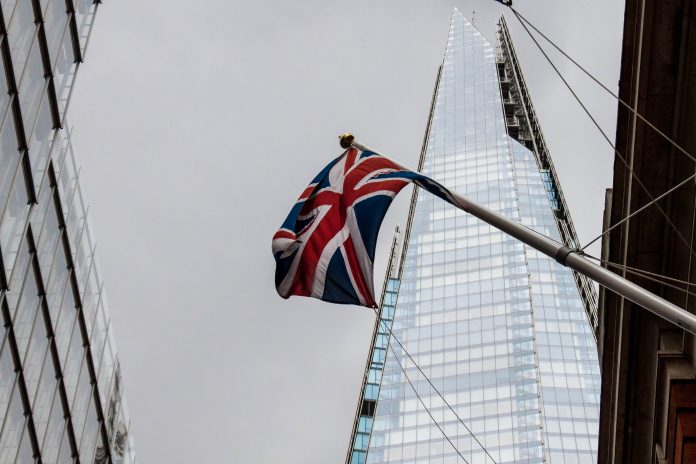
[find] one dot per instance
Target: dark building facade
(60, 383)
(648, 407)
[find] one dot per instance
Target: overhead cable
(647, 275)
(598, 82)
(604, 135)
(642, 208)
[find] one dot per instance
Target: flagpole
(567, 257)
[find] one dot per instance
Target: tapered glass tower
(504, 333)
(61, 394)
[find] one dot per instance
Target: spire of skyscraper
(499, 329)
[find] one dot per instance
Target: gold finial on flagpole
(346, 140)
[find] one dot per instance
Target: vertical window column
(373, 378)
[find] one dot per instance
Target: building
(648, 394)
(60, 383)
(504, 333)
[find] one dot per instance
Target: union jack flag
(326, 247)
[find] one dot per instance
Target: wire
(642, 208)
(647, 275)
(594, 121)
(688, 275)
(619, 99)
(604, 261)
(391, 335)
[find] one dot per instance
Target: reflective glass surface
(50, 287)
(497, 327)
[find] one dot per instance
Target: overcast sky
(198, 124)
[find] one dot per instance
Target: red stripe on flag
(313, 248)
(351, 156)
(307, 192)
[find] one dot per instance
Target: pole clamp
(562, 254)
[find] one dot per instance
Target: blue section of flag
(338, 288)
(370, 214)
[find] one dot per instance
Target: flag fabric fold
(325, 248)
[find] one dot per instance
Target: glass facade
(523, 125)
(61, 394)
(378, 354)
(499, 329)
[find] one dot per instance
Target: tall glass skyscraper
(60, 383)
(504, 333)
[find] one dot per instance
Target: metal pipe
(568, 257)
(584, 266)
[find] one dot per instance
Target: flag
(326, 246)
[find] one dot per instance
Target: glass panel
(76, 218)
(43, 5)
(38, 213)
(105, 376)
(65, 455)
(58, 152)
(357, 457)
(54, 433)
(25, 454)
(67, 181)
(45, 395)
(7, 377)
(40, 142)
(58, 279)
(8, 7)
(50, 237)
(89, 436)
(84, 259)
(12, 429)
(4, 90)
(55, 22)
(120, 438)
(81, 402)
(18, 275)
(99, 335)
(9, 160)
(73, 363)
(65, 323)
(64, 73)
(90, 299)
(100, 456)
(129, 456)
(31, 87)
(24, 317)
(84, 16)
(20, 33)
(114, 403)
(34, 359)
(13, 222)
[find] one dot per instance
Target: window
(12, 226)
